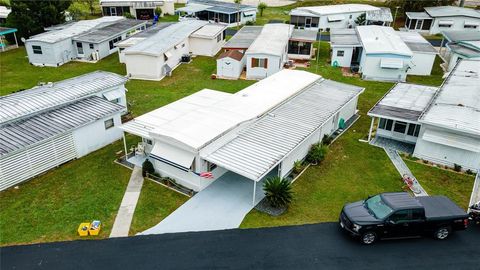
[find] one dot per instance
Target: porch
(3, 42)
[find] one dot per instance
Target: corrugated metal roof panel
(259, 147)
(28, 131)
(40, 98)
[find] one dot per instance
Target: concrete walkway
(121, 227)
(222, 205)
(404, 170)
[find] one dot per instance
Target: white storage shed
(230, 64)
(46, 126)
(208, 40)
(424, 53)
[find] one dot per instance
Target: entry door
(418, 26)
(113, 11)
(216, 17)
(308, 22)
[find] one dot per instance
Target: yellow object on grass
(83, 229)
(95, 227)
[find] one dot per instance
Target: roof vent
(245, 95)
(460, 105)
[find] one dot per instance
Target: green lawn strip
(155, 203)
(435, 79)
(436, 181)
(51, 206)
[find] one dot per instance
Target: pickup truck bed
(441, 207)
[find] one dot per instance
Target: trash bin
(83, 229)
(95, 227)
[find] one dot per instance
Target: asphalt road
(318, 246)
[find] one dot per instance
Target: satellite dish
(22, 39)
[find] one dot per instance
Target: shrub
(278, 192)
(250, 23)
(327, 140)
(261, 7)
(469, 172)
(457, 167)
(297, 166)
(147, 167)
(317, 153)
(158, 11)
(128, 15)
(425, 161)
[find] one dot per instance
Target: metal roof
(196, 120)
(456, 105)
(45, 97)
(452, 11)
(166, 39)
(468, 49)
(6, 30)
(416, 42)
(272, 40)
(332, 9)
(304, 35)
(110, 31)
(344, 37)
(258, 148)
(209, 31)
(418, 15)
(25, 132)
(234, 54)
(223, 7)
(467, 35)
(380, 15)
(244, 37)
(404, 101)
(150, 31)
(382, 40)
(73, 29)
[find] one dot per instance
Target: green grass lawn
(155, 203)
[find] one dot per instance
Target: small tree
(317, 153)
(278, 192)
(128, 15)
(297, 166)
(262, 6)
(361, 19)
(147, 168)
(158, 11)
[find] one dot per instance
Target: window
(113, 41)
(418, 214)
(79, 48)
(378, 207)
(211, 166)
(470, 26)
(351, 16)
(426, 24)
(382, 123)
(109, 123)
(444, 25)
(219, 38)
(90, 46)
(400, 127)
(37, 49)
(400, 216)
(340, 53)
(413, 130)
(148, 141)
(259, 62)
(116, 101)
(389, 125)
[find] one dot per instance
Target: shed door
(28, 163)
(227, 67)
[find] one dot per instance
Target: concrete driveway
(222, 205)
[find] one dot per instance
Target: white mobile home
(269, 52)
(329, 17)
(100, 43)
(140, 9)
(4, 12)
(248, 133)
(424, 53)
(46, 126)
(55, 47)
(459, 45)
(230, 64)
(346, 48)
(157, 56)
(220, 12)
(385, 57)
(441, 125)
(437, 19)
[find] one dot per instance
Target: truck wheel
(368, 238)
(442, 233)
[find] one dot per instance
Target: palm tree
(262, 6)
(278, 191)
(238, 2)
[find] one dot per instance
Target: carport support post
(370, 131)
(125, 145)
(254, 192)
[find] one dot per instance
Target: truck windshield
(379, 209)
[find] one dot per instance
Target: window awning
(192, 8)
(472, 23)
(452, 140)
(172, 155)
(249, 13)
(335, 18)
(168, 55)
(391, 63)
(112, 95)
(445, 22)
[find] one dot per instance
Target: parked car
(475, 213)
(399, 215)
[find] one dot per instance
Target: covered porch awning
(171, 155)
(452, 140)
(335, 18)
(192, 8)
(112, 95)
(445, 22)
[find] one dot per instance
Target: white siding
(371, 69)
(346, 59)
(274, 65)
(53, 54)
(205, 46)
(422, 64)
(458, 24)
(230, 68)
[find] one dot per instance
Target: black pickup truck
(399, 215)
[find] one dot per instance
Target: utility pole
(395, 16)
(318, 52)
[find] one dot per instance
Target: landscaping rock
(264, 207)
